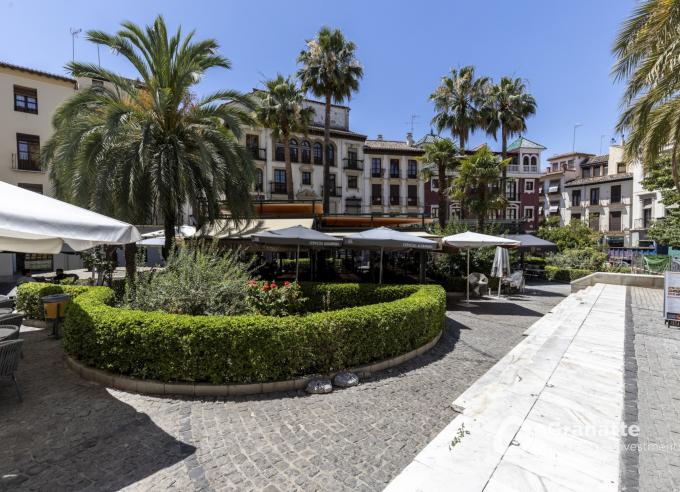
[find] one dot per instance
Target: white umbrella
(468, 240)
(501, 266)
(386, 238)
(34, 223)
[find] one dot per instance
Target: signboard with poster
(671, 297)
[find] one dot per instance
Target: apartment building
(647, 205)
(602, 196)
(561, 169)
(366, 176)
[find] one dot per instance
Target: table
(8, 333)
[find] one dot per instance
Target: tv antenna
(412, 121)
(74, 34)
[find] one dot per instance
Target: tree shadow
(71, 434)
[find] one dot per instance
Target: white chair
(479, 284)
(515, 281)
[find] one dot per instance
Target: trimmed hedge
(30, 294)
(254, 348)
(565, 274)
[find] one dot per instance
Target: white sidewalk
(546, 416)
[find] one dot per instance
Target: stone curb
(153, 387)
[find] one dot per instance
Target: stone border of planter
(152, 387)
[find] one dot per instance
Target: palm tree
(281, 109)
(134, 148)
(458, 103)
(647, 54)
(477, 184)
(331, 71)
(440, 158)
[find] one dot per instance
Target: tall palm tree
(477, 184)
(440, 158)
(507, 107)
(458, 103)
(282, 110)
(330, 71)
(647, 52)
(137, 147)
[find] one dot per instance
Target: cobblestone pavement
(657, 351)
(69, 434)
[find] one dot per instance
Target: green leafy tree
(647, 51)
(132, 148)
(666, 231)
(330, 70)
(441, 158)
(477, 184)
(458, 103)
(507, 107)
(659, 176)
(282, 110)
(575, 235)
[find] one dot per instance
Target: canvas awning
(34, 223)
(530, 241)
(297, 236)
(222, 229)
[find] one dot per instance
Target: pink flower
(286, 283)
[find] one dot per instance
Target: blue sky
(561, 49)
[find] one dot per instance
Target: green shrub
(30, 294)
(581, 259)
(253, 348)
(565, 274)
(329, 297)
(196, 280)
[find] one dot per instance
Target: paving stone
(80, 434)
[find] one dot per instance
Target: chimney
(409, 138)
(380, 136)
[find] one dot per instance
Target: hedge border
(159, 388)
(253, 349)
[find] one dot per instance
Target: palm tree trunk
(326, 164)
(169, 228)
(481, 214)
(674, 169)
(130, 261)
(504, 153)
(443, 208)
(289, 167)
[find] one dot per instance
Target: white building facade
(647, 206)
(561, 169)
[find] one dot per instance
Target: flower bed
(385, 321)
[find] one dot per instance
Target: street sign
(671, 297)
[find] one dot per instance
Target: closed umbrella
(469, 240)
(297, 236)
(501, 266)
(34, 223)
(384, 238)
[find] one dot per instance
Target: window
(412, 196)
(306, 151)
(594, 221)
(279, 184)
(394, 168)
(594, 196)
(352, 182)
(570, 164)
(306, 178)
(434, 211)
(525, 162)
(596, 171)
(279, 152)
(434, 184)
(585, 172)
(331, 155)
(293, 145)
(394, 194)
(511, 213)
(616, 194)
(333, 189)
(621, 167)
(576, 217)
(576, 198)
(97, 83)
(253, 145)
(259, 178)
(615, 221)
(376, 194)
(534, 162)
(528, 185)
(37, 188)
(511, 189)
(376, 167)
(318, 156)
(605, 170)
(352, 159)
(25, 100)
(412, 169)
(528, 212)
(28, 152)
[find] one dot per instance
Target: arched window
(331, 155)
(525, 161)
(533, 161)
(259, 180)
(306, 151)
(293, 144)
(318, 155)
(280, 152)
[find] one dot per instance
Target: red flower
(286, 283)
(274, 286)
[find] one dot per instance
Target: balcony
(643, 224)
(334, 191)
(412, 201)
(395, 175)
(377, 173)
(554, 189)
(513, 168)
(28, 165)
(353, 164)
(412, 175)
(258, 154)
(530, 169)
(277, 188)
(394, 201)
(376, 200)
